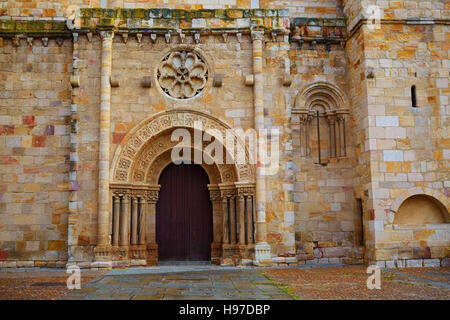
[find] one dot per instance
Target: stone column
(116, 215)
(232, 219)
(226, 230)
(241, 219)
(152, 247)
(72, 222)
(134, 220)
(216, 245)
(342, 141)
(332, 130)
(245, 208)
(124, 226)
(142, 219)
(304, 133)
(262, 248)
(103, 161)
(337, 135)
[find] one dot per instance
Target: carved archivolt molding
(182, 74)
(145, 151)
(321, 95)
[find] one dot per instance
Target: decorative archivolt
(321, 94)
(147, 142)
(319, 118)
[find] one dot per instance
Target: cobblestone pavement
(349, 282)
(212, 282)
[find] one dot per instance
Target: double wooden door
(184, 214)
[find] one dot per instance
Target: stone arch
(135, 170)
(322, 94)
(428, 198)
(420, 210)
(321, 107)
(151, 139)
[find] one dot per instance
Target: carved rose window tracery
(182, 74)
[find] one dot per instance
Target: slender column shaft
(342, 136)
(151, 222)
(134, 221)
(226, 230)
(103, 163)
(124, 221)
(249, 218)
(307, 135)
(116, 215)
(241, 217)
(142, 209)
(232, 209)
(337, 137)
(332, 139)
(258, 101)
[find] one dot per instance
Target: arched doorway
(184, 214)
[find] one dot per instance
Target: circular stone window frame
(185, 47)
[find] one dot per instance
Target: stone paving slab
(180, 283)
(202, 283)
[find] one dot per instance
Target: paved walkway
(213, 282)
(173, 283)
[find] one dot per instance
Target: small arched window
(413, 97)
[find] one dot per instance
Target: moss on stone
(167, 20)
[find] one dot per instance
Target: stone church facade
(90, 98)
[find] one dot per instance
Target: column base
(262, 254)
(215, 253)
(138, 252)
(152, 254)
(229, 255)
(102, 257)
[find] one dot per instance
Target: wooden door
(184, 214)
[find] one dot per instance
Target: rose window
(182, 74)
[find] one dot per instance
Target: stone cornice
(168, 21)
(187, 21)
(36, 28)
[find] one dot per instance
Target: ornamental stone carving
(140, 159)
(182, 74)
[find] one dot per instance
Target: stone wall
(49, 134)
(34, 151)
(404, 146)
(355, 10)
(86, 97)
(42, 9)
(314, 9)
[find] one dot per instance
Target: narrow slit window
(413, 97)
(359, 206)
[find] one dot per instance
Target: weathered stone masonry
(86, 119)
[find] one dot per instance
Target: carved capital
(257, 35)
(245, 189)
(215, 195)
(227, 192)
(107, 35)
(152, 196)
